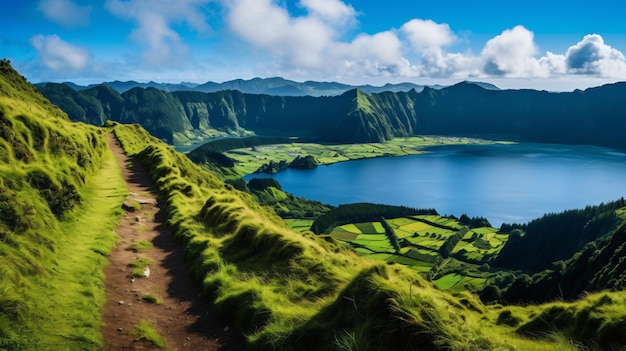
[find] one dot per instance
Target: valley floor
(148, 283)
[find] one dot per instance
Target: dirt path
(183, 318)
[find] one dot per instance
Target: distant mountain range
(596, 116)
(270, 86)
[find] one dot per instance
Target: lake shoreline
(505, 183)
(249, 160)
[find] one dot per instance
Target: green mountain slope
(598, 265)
(283, 289)
(593, 116)
(56, 221)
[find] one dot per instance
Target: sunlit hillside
(60, 193)
(284, 290)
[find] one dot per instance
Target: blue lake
(505, 183)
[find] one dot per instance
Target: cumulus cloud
(314, 45)
(429, 40)
(265, 25)
(334, 11)
(320, 43)
(59, 55)
(426, 35)
(378, 55)
(512, 54)
(312, 42)
(65, 12)
(592, 56)
(154, 19)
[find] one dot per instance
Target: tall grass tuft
(148, 332)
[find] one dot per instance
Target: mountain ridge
(270, 86)
(592, 116)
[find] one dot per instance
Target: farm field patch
(421, 239)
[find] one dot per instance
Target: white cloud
(59, 55)
(154, 18)
(592, 56)
(322, 42)
(311, 43)
(378, 55)
(313, 46)
(294, 41)
(333, 11)
(512, 54)
(429, 39)
(65, 12)
(426, 35)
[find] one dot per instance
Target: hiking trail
(181, 315)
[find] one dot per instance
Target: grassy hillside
(59, 199)
(298, 291)
(283, 289)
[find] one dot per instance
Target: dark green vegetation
(268, 192)
(60, 197)
(283, 289)
(568, 231)
(585, 252)
(593, 116)
(270, 86)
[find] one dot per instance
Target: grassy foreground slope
(297, 291)
(284, 290)
(59, 201)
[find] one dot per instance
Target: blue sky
(552, 45)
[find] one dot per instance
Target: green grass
(71, 276)
(447, 282)
(139, 266)
(151, 298)
(145, 331)
(140, 245)
(352, 228)
(299, 224)
(60, 196)
(340, 234)
(78, 281)
(250, 159)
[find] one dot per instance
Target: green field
(299, 224)
(421, 238)
(480, 245)
(248, 160)
(455, 282)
